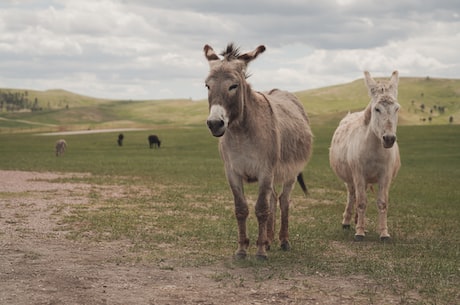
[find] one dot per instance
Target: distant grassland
(331, 103)
(189, 219)
(63, 110)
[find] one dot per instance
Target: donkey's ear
(209, 53)
(393, 84)
(250, 56)
(367, 114)
(371, 84)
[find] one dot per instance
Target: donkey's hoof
(261, 257)
(359, 237)
(346, 227)
(385, 238)
(285, 246)
(240, 255)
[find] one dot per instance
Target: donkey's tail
(302, 183)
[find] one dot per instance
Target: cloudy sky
(141, 49)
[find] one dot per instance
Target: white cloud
(153, 49)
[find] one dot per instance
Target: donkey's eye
(377, 110)
(207, 86)
(232, 87)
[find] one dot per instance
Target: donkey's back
(288, 102)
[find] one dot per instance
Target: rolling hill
(60, 110)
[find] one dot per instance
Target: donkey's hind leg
(285, 199)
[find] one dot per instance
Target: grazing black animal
(154, 140)
(120, 139)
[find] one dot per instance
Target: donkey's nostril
(215, 124)
(389, 140)
(217, 127)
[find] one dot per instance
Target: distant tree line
(430, 111)
(17, 101)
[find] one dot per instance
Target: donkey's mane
(387, 99)
(381, 88)
(231, 52)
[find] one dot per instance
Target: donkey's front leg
(361, 205)
(382, 205)
(263, 213)
(241, 213)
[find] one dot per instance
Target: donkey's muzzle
(389, 141)
(217, 127)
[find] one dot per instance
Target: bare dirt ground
(39, 265)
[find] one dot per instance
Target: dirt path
(64, 133)
(38, 265)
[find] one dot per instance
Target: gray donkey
(264, 138)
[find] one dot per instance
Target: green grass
(324, 105)
(186, 217)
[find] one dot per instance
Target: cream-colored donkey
(364, 152)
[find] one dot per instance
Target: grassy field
(190, 216)
(63, 111)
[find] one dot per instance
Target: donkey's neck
(249, 102)
(248, 123)
(373, 139)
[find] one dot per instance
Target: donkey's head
(382, 112)
(227, 86)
